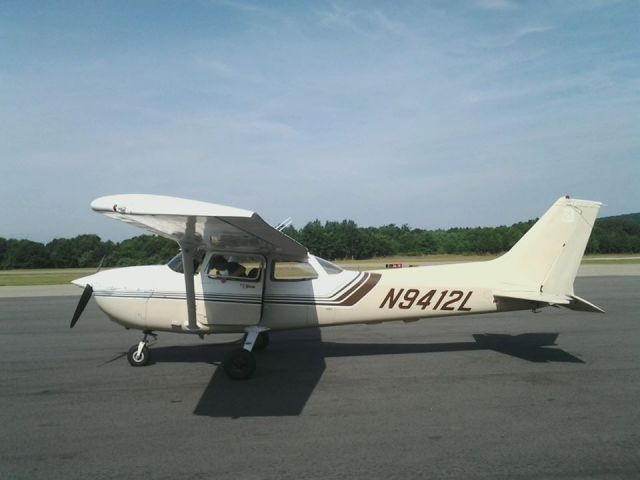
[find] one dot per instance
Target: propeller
(84, 299)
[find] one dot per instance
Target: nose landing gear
(139, 354)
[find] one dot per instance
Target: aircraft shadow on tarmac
(289, 370)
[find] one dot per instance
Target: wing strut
(188, 267)
(187, 262)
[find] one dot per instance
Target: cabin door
(232, 289)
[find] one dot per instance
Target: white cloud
(524, 31)
(369, 21)
(213, 65)
(496, 4)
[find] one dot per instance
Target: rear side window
(293, 271)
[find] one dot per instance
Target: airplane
(235, 273)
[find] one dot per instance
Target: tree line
(85, 251)
(345, 240)
(332, 240)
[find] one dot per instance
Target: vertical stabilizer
(547, 257)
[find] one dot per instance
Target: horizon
(323, 222)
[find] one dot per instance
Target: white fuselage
(153, 297)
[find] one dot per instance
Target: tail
(543, 265)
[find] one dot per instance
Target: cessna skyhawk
(237, 274)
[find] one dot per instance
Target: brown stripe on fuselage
(349, 299)
(330, 298)
(355, 287)
(371, 282)
(359, 291)
(358, 279)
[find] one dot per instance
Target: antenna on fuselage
(101, 263)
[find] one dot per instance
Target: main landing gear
(139, 354)
(240, 363)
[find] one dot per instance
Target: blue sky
(435, 114)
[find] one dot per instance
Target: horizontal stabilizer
(572, 302)
(581, 305)
(534, 297)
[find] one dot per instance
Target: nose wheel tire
(138, 359)
(239, 364)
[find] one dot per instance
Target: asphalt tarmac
(548, 395)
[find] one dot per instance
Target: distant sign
(393, 265)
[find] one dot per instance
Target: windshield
(175, 263)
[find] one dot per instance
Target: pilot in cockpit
(221, 267)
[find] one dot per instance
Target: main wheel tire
(261, 342)
(239, 364)
(138, 360)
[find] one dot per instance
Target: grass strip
(62, 276)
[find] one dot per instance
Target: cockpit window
(329, 267)
(175, 263)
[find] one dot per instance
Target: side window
(236, 267)
(292, 271)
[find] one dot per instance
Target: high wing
(197, 225)
(201, 225)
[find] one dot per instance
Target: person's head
(234, 268)
(219, 262)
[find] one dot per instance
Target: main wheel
(239, 364)
(262, 341)
(138, 359)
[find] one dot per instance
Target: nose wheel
(139, 354)
(138, 357)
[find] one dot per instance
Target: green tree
(81, 251)
(25, 254)
(3, 250)
(142, 250)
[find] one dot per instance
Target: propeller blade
(84, 299)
